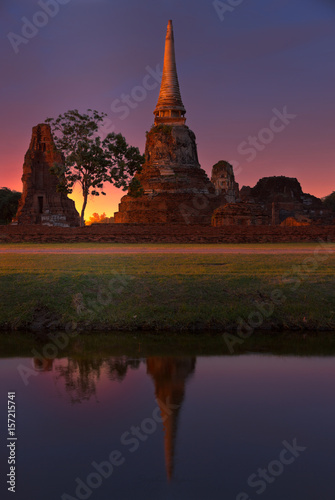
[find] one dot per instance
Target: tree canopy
(90, 160)
(9, 201)
(329, 201)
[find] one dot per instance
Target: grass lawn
(168, 292)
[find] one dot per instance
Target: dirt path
(178, 249)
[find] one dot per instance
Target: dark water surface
(178, 427)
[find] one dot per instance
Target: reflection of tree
(118, 367)
(82, 375)
(170, 375)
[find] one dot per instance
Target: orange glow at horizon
(320, 186)
(235, 78)
(98, 204)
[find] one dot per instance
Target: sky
(256, 79)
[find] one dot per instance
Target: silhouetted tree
(9, 201)
(90, 160)
(329, 201)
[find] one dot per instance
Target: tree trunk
(82, 222)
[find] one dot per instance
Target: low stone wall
(132, 233)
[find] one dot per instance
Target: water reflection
(118, 367)
(233, 415)
(43, 364)
(81, 376)
(170, 375)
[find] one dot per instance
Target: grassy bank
(177, 292)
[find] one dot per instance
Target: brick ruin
(274, 200)
(223, 180)
(283, 198)
(40, 202)
(176, 190)
(241, 214)
(167, 233)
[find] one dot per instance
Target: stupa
(174, 188)
(40, 202)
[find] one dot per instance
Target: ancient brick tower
(175, 189)
(40, 202)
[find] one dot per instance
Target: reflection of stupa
(169, 375)
(43, 364)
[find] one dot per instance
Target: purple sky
(236, 65)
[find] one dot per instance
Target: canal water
(170, 427)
